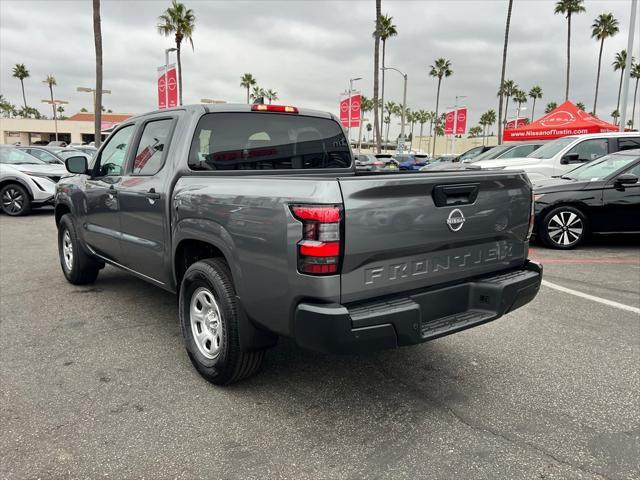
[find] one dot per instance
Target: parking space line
(593, 298)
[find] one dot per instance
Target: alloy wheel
(12, 200)
(565, 228)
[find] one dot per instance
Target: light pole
(351, 80)
(455, 123)
(92, 90)
(55, 117)
(404, 107)
(625, 84)
(166, 71)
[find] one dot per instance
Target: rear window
(267, 141)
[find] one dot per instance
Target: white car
(25, 181)
(566, 153)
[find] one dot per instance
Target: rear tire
(78, 267)
(209, 320)
(563, 228)
(15, 200)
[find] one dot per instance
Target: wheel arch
(13, 179)
(563, 203)
(61, 209)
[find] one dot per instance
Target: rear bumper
(416, 317)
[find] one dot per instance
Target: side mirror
(570, 158)
(627, 179)
(77, 164)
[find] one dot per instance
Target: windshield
(490, 154)
(601, 168)
(14, 156)
(71, 153)
(551, 148)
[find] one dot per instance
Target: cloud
(307, 50)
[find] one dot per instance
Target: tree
(7, 108)
(422, 117)
(391, 109)
(620, 63)
(247, 81)
(366, 105)
(51, 81)
(386, 30)
(20, 72)
(504, 65)
(535, 93)
(551, 106)
(581, 106)
(635, 73)
(519, 97)
(569, 8)
(83, 110)
(615, 115)
(97, 108)
(509, 89)
(257, 92)
(369, 128)
(271, 95)
(440, 69)
(486, 120)
(475, 131)
(376, 79)
(603, 27)
(179, 21)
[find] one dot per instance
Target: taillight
(378, 164)
(320, 248)
(262, 107)
(532, 215)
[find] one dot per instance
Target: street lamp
(92, 90)
(404, 107)
(166, 70)
(55, 117)
(351, 80)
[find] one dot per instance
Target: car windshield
(18, 157)
(601, 168)
(490, 154)
(64, 154)
(551, 148)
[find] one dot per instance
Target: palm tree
(581, 106)
(257, 92)
(422, 117)
(568, 8)
(615, 115)
(486, 120)
(551, 106)
(475, 131)
(635, 73)
(620, 63)
(386, 30)
(519, 97)
(51, 81)
(376, 73)
(369, 128)
(97, 40)
(535, 93)
(271, 95)
(504, 66)
(180, 21)
(509, 89)
(483, 123)
(603, 27)
(440, 69)
(391, 109)
(20, 72)
(366, 105)
(247, 81)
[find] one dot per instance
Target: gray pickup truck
(256, 217)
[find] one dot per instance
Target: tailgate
(404, 232)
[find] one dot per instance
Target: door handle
(152, 195)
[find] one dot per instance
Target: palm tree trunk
(566, 95)
(633, 110)
(23, 95)
(506, 107)
(53, 106)
(376, 69)
(595, 100)
(422, 127)
(433, 151)
(504, 65)
(248, 94)
(619, 93)
(179, 74)
(384, 47)
(430, 133)
(97, 108)
(360, 129)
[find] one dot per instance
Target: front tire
(563, 228)
(15, 200)
(78, 267)
(209, 320)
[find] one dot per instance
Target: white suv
(566, 153)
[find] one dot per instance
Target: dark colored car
(375, 163)
(602, 196)
(411, 161)
(473, 152)
(255, 216)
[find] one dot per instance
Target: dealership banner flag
(459, 123)
(350, 118)
(167, 86)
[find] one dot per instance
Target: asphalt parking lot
(95, 382)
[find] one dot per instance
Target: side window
(152, 147)
(635, 170)
(42, 155)
(520, 151)
(591, 149)
(628, 143)
(113, 154)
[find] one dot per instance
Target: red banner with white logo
(167, 86)
(354, 113)
(459, 123)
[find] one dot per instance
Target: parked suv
(257, 218)
(566, 153)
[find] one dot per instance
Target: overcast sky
(307, 50)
